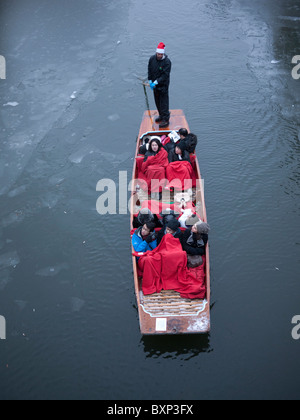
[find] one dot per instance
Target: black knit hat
(173, 224)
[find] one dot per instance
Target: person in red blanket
(154, 166)
(179, 153)
(194, 240)
(179, 171)
(172, 227)
(165, 268)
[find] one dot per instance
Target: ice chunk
(52, 270)
(4, 279)
(114, 117)
(15, 217)
(78, 156)
(11, 104)
(76, 304)
(17, 191)
(9, 259)
(21, 304)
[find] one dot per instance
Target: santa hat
(161, 48)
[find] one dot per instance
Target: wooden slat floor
(169, 303)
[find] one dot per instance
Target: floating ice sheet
(76, 304)
(52, 271)
(9, 259)
(11, 104)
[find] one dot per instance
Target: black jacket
(173, 157)
(160, 70)
(191, 142)
(193, 249)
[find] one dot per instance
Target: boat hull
(166, 312)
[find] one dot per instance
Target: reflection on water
(180, 348)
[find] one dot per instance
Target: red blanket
(166, 268)
(155, 169)
(180, 175)
(157, 207)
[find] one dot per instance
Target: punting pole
(145, 84)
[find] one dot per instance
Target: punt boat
(166, 312)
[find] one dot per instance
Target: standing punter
(159, 69)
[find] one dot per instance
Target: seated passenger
(183, 133)
(194, 240)
(179, 172)
(153, 148)
(191, 142)
(144, 148)
(172, 227)
(154, 166)
(144, 238)
(179, 153)
(145, 215)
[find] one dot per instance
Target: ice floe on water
(76, 304)
(14, 217)
(57, 179)
(52, 271)
(113, 158)
(17, 191)
(21, 304)
(80, 154)
(13, 104)
(114, 117)
(4, 279)
(9, 259)
(49, 200)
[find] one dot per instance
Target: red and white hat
(161, 48)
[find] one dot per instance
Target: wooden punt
(166, 312)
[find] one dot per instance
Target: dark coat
(160, 70)
(173, 157)
(191, 142)
(193, 249)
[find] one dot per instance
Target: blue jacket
(139, 244)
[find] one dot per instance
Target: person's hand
(150, 238)
(153, 84)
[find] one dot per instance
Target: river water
(70, 111)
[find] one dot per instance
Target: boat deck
(169, 303)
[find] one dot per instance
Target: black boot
(164, 124)
(158, 119)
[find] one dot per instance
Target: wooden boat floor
(170, 303)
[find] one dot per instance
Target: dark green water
(66, 285)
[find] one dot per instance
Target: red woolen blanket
(165, 268)
(180, 175)
(155, 169)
